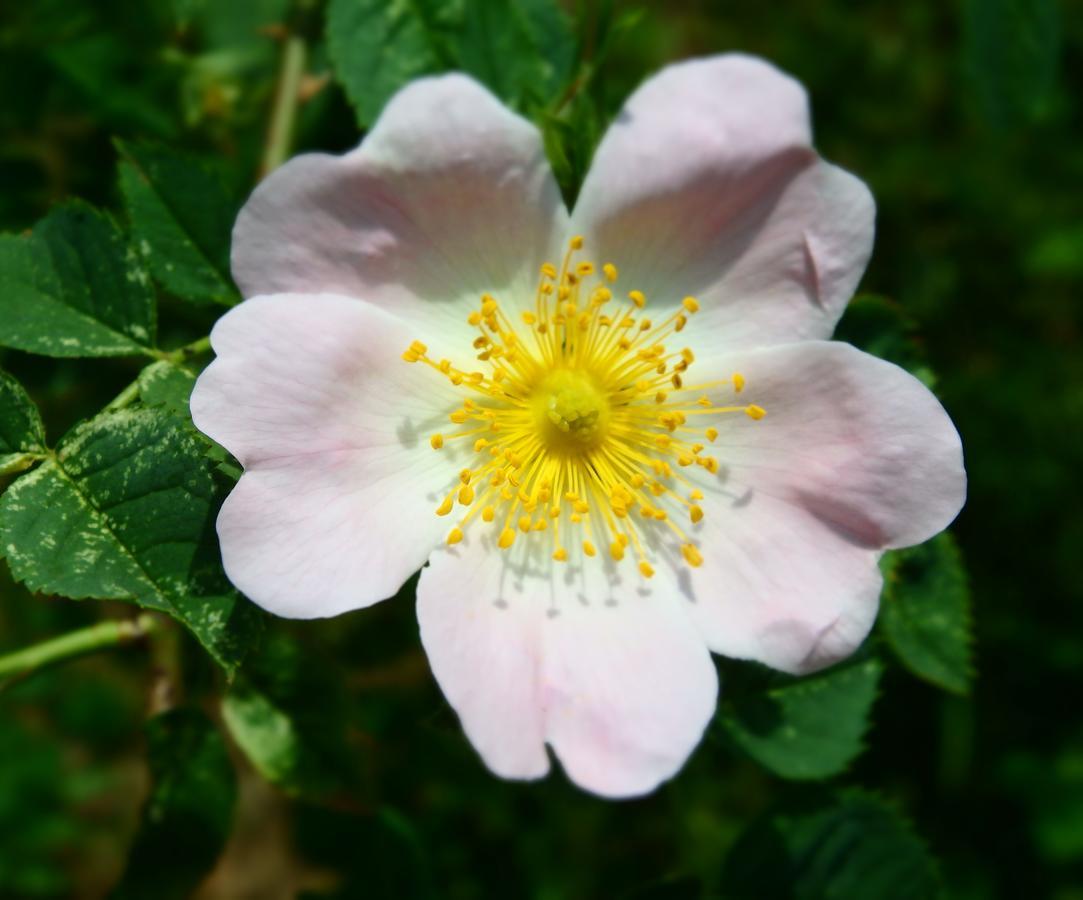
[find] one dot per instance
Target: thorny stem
(104, 635)
(287, 97)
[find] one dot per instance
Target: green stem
(196, 348)
(126, 397)
(284, 112)
(77, 643)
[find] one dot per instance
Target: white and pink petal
(608, 670)
(854, 456)
(335, 508)
(449, 196)
(707, 185)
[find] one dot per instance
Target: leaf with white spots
(805, 728)
(925, 613)
(181, 218)
(22, 435)
(125, 511)
(168, 385)
(73, 287)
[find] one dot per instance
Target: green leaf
(377, 47)
(22, 434)
(287, 712)
(167, 384)
(522, 50)
(925, 612)
(1012, 51)
(853, 847)
(125, 511)
(187, 818)
(181, 217)
(74, 288)
(810, 727)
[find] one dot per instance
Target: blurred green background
(965, 120)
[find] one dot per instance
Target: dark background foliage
(329, 765)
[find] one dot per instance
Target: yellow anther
(616, 550)
(480, 444)
(679, 323)
(466, 495)
(645, 325)
(688, 356)
(645, 569)
(507, 538)
(524, 523)
(560, 554)
(488, 514)
(711, 433)
(444, 508)
(540, 525)
(691, 304)
(696, 494)
(409, 356)
(576, 243)
(465, 475)
(459, 416)
(436, 441)
(738, 382)
(454, 536)
(637, 480)
(709, 463)
(488, 306)
(529, 318)
(445, 366)
(474, 318)
(638, 298)
(581, 507)
(704, 401)
(610, 272)
(476, 377)
(691, 555)
(584, 269)
(695, 513)
(588, 548)
(755, 412)
(685, 459)
(549, 270)
(661, 397)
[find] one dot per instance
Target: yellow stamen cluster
(582, 429)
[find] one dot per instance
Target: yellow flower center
(584, 428)
(571, 410)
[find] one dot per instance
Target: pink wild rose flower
(619, 436)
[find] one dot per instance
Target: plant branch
(287, 96)
(104, 635)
